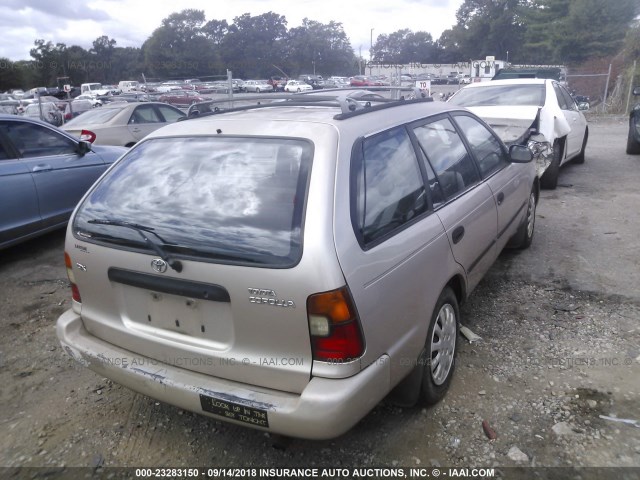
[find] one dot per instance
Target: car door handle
(457, 234)
(43, 167)
(500, 198)
(135, 129)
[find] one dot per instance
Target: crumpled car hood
(533, 126)
(512, 122)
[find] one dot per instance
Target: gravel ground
(560, 350)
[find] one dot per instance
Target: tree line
(187, 45)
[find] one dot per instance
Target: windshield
(503, 95)
(94, 117)
(228, 200)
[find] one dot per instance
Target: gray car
(43, 174)
(286, 266)
(122, 123)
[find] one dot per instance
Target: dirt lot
(560, 328)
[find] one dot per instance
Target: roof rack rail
(352, 101)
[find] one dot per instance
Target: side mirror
(636, 90)
(83, 148)
(583, 106)
(520, 154)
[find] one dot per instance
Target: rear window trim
(76, 232)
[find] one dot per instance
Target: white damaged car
(533, 111)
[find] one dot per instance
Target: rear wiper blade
(141, 229)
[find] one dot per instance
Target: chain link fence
(608, 83)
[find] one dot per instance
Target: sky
(131, 22)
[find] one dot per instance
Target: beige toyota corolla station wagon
(286, 266)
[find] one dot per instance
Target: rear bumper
(325, 409)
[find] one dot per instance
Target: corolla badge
(159, 265)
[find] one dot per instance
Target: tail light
(334, 326)
(75, 293)
(68, 116)
(87, 136)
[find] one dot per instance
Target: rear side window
(170, 114)
(229, 200)
(145, 114)
(389, 185)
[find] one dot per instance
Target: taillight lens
(334, 327)
(87, 136)
(75, 293)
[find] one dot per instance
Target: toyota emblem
(159, 265)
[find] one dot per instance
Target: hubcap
(443, 344)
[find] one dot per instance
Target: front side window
(33, 140)
(446, 153)
(488, 151)
(390, 188)
(228, 200)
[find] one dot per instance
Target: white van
(127, 86)
(94, 89)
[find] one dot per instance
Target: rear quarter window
(390, 190)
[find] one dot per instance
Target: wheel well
(459, 289)
(561, 142)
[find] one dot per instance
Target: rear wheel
(549, 178)
(440, 348)
(524, 236)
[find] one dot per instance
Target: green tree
(404, 46)
(179, 47)
(11, 75)
(489, 27)
(572, 31)
(317, 47)
(254, 44)
(48, 62)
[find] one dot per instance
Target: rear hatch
(191, 251)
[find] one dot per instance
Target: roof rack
(352, 101)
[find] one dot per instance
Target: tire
(549, 178)
(579, 159)
(438, 356)
(633, 147)
(524, 236)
